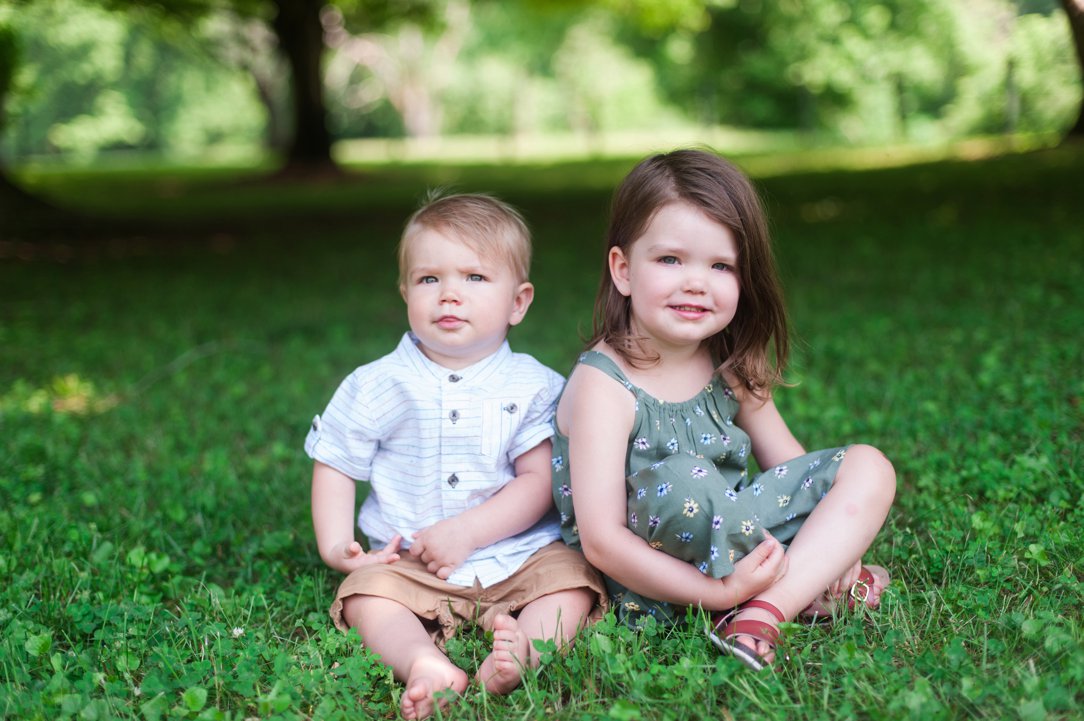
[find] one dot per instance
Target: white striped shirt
(434, 442)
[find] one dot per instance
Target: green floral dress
(689, 489)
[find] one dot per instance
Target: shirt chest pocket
(501, 419)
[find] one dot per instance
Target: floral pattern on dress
(689, 498)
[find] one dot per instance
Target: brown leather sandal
(858, 593)
(760, 630)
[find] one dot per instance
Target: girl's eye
(668, 260)
(475, 277)
(722, 266)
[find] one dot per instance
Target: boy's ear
(402, 291)
(619, 270)
(521, 302)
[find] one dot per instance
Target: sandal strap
(722, 619)
(770, 608)
(760, 630)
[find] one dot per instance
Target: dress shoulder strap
(606, 364)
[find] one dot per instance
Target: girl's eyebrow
(664, 248)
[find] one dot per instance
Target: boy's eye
(668, 260)
(427, 279)
(475, 277)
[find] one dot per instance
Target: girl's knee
(873, 468)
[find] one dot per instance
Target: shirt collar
(472, 374)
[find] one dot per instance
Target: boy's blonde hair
(490, 227)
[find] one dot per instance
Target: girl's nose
(694, 282)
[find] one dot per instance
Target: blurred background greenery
(256, 81)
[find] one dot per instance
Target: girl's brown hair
(723, 193)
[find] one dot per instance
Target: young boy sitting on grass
(452, 431)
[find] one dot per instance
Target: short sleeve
(537, 424)
(346, 435)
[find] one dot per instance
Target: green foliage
(188, 77)
(9, 60)
(154, 393)
(130, 89)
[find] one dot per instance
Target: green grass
(155, 390)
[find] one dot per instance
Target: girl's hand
(444, 546)
(759, 570)
(350, 556)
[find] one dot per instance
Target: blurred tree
(249, 43)
(18, 209)
(300, 36)
(411, 65)
(1074, 10)
(138, 85)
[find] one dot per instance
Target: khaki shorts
(445, 607)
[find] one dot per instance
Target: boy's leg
(392, 631)
(556, 616)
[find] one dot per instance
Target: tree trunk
(1074, 9)
(301, 37)
(26, 217)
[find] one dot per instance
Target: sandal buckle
(866, 590)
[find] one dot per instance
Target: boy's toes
(502, 670)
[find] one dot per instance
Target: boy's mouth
(450, 321)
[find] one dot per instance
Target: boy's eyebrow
(480, 268)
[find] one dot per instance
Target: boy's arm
(516, 507)
(333, 521)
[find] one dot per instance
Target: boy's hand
(443, 546)
(759, 570)
(350, 556)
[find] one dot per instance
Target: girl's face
(681, 277)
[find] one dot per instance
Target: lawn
(156, 385)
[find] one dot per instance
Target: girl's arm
(597, 414)
(773, 443)
(513, 509)
(333, 520)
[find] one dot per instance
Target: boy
(452, 431)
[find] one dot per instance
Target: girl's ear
(521, 302)
(619, 270)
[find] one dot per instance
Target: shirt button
(453, 480)
(455, 378)
(511, 408)
(454, 415)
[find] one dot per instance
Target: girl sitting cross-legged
(659, 418)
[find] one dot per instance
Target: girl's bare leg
(833, 538)
(392, 631)
(558, 616)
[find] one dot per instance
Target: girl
(659, 418)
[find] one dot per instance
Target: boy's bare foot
(502, 670)
(429, 676)
(841, 591)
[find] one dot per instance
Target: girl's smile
(680, 276)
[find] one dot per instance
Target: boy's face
(459, 304)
